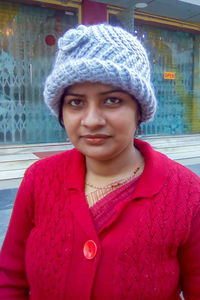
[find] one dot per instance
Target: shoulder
(49, 165)
(165, 164)
(163, 174)
(182, 174)
(179, 175)
(183, 188)
(57, 171)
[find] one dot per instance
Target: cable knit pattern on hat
(106, 54)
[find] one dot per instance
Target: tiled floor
(6, 204)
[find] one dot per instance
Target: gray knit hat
(106, 54)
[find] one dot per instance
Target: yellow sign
(58, 2)
(169, 75)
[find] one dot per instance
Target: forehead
(96, 87)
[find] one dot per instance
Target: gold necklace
(114, 183)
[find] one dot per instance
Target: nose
(93, 118)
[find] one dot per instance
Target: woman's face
(100, 119)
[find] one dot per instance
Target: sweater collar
(77, 170)
(155, 171)
(154, 174)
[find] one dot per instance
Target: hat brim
(106, 72)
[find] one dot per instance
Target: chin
(99, 154)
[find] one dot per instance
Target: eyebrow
(102, 93)
(73, 94)
(113, 91)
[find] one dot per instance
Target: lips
(95, 139)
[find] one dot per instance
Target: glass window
(28, 41)
(175, 63)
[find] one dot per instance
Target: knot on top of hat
(73, 38)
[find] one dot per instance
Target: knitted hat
(106, 54)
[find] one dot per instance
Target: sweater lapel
(155, 172)
(76, 193)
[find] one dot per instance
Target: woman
(112, 218)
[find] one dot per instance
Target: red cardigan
(149, 249)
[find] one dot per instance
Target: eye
(112, 100)
(76, 102)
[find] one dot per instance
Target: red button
(90, 249)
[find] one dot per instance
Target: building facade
(28, 38)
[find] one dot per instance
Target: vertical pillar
(93, 12)
(196, 87)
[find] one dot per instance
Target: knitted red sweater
(148, 249)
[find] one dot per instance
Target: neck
(103, 172)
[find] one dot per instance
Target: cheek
(65, 121)
(126, 121)
(69, 123)
(72, 126)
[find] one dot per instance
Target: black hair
(60, 111)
